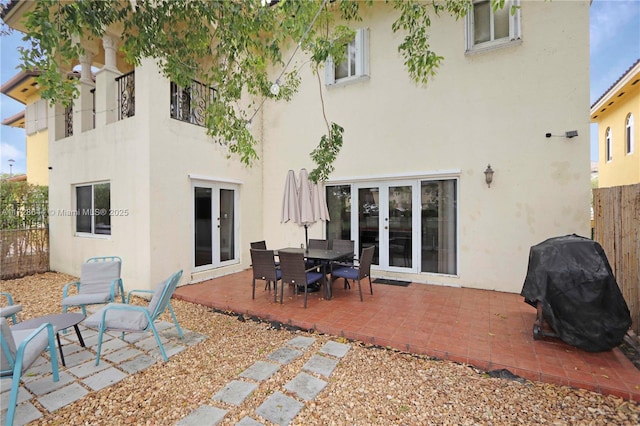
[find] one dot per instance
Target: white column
(110, 45)
(106, 87)
(83, 105)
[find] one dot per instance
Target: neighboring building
(617, 113)
(23, 88)
(410, 178)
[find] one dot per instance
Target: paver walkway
(279, 407)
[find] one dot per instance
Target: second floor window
(628, 134)
(487, 28)
(189, 104)
(607, 144)
(355, 65)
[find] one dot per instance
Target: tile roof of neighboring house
(624, 74)
(14, 120)
(7, 7)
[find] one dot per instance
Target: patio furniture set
(100, 283)
(306, 269)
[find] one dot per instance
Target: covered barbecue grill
(570, 283)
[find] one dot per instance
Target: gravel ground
(370, 386)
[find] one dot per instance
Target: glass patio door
(386, 219)
(214, 225)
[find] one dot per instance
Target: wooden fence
(24, 239)
(616, 213)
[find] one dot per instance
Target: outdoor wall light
(275, 88)
(488, 175)
(568, 134)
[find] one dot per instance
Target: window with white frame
(355, 65)
(607, 144)
(93, 209)
(488, 28)
(628, 134)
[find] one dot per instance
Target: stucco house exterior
(410, 178)
(616, 112)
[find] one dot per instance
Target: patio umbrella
(313, 206)
(290, 200)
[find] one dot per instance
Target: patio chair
(262, 245)
(316, 244)
(356, 273)
(259, 245)
(20, 349)
(128, 318)
(99, 283)
(294, 272)
(264, 268)
(10, 310)
(345, 246)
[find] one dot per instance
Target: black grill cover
(580, 298)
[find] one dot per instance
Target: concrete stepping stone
(336, 349)
(88, 368)
(25, 413)
(284, 355)
(321, 365)
(260, 371)
(301, 342)
(104, 378)
(248, 421)
(235, 392)
(279, 409)
(138, 364)
(205, 415)
(61, 397)
(305, 386)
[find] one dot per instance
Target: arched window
(628, 134)
(607, 144)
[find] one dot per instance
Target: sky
(614, 47)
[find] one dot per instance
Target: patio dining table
(325, 257)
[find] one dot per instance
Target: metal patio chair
(127, 318)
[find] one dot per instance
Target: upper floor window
(488, 29)
(190, 103)
(628, 134)
(607, 144)
(355, 65)
(93, 209)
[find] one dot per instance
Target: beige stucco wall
(148, 159)
(493, 107)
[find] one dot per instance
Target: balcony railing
(93, 108)
(126, 95)
(68, 121)
(189, 104)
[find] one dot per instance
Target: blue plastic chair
(128, 318)
(10, 310)
(20, 349)
(99, 283)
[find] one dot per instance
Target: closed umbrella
(319, 202)
(290, 200)
(313, 206)
(304, 195)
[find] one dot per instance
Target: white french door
(215, 228)
(389, 219)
